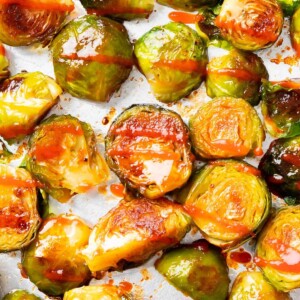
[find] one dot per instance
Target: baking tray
(148, 283)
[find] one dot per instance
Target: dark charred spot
(11, 85)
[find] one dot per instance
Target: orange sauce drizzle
(14, 130)
(2, 50)
(16, 182)
(291, 159)
(188, 66)
(258, 151)
(117, 10)
(296, 47)
(186, 18)
(117, 189)
(126, 286)
(101, 58)
(38, 5)
(288, 84)
(272, 124)
(232, 147)
(237, 73)
(239, 168)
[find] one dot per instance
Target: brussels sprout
(188, 5)
(253, 285)
(295, 31)
(226, 127)
(198, 270)
(19, 218)
(24, 99)
(250, 25)
(127, 10)
(133, 231)
(63, 156)
(53, 262)
(148, 148)
(289, 6)
(26, 22)
(97, 292)
(228, 201)
(236, 74)
(281, 109)
(280, 167)
(92, 56)
(173, 58)
(20, 295)
(278, 249)
(4, 73)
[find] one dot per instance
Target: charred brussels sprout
(173, 58)
(226, 127)
(26, 22)
(188, 5)
(289, 6)
(97, 292)
(250, 25)
(228, 201)
(253, 285)
(148, 148)
(4, 72)
(295, 31)
(278, 249)
(63, 157)
(236, 74)
(92, 57)
(198, 270)
(121, 9)
(19, 218)
(281, 108)
(20, 295)
(52, 262)
(280, 167)
(133, 231)
(24, 99)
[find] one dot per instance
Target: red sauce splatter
(14, 131)
(117, 189)
(188, 66)
(2, 49)
(202, 245)
(291, 159)
(241, 257)
(183, 17)
(126, 286)
(240, 74)
(258, 151)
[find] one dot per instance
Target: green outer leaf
(289, 6)
(20, 295)
(188, 5)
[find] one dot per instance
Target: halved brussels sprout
(97, 292)
(26, 22)
(236, 74)
(24, 100)
(133, 231)
(278, 249)
(250, 25)
(64, 158)
(92, 57)
(173, 58)
(295, 31)
(121, 9)
(4, 72)
(281, 108)
(188, 5)
(53, 262)
(198, 270)
(253, 285)
(289, 6)
(20, 295)
(280, 167)
(226, 127)
(19, 217)
(228, 201)
(148, 148)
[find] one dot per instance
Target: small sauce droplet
(183, 17)
(117, 189)
(241, 257)
(125, 286)
(105, 120)
(258, 151)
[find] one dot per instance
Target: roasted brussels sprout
(63, 157)
(278, 249)
(20, 295)
(26, 22)
(226, 127)
(19, 218)
(127, 10)
(295, 31)
(250, 25)
(173, 58)
(228, 201)
(4, 73)
(236, 74)
(289, 6)
(24, 99)
(133, 231)
(198, 270)
(53, 262)
(280, 167)
(97, 292)
(253, 285)
(281, 109)
(188, 5)
(148, 148)
(92, 56)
